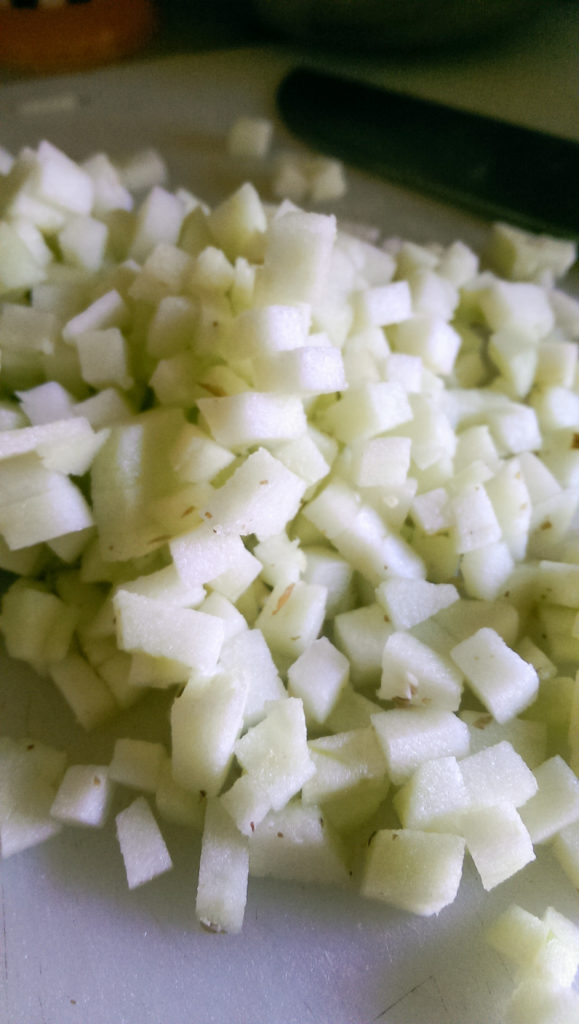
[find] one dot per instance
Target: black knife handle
(493, 168)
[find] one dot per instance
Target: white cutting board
(75, 946)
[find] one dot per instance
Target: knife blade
(494, 168)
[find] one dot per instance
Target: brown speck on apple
(482, 722)
(284, 598)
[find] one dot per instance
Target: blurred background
(53, 35)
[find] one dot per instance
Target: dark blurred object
(495, 169)
(391, 24)
(72, 35)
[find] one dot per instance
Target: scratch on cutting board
(40, 1000)
(405, 996)
(4, 941)
(439, 990)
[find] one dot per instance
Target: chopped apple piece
(84, 796)
(223, 872)
(143, 848)
(413, 870)
(500, 678)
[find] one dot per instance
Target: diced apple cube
(250, 137)
(416, 871)
(326, 567)
(137, 764)
(30, 823)
(377, 552)
(410, 736)
(522, 306)
(60, 181)
(19, 267)
(516, 358)
(109, 192)
(175, 803)
(83, 241)
(205, 724)
(233, 621)
(474, 518)
(104, 358)
(203, 554)
(242, 421)
(566, 850)
(318, 676)
(366, 411)
(86, 693)
(556, 363)
(182, 634)
(408, 602)
(383, 305)
(504, 683)
(515, 430)
(430, 337)
(306, 457)
(282, 559)
(361, 634)
(247, 656)
(297, 843)
(497, 841)
(260, 497)
(511, 501)
(223, 873)
(37, 626)
(535, 1001)
(415, 674)
(143, 169)
(84, 796)
(292, 617)
(38, 504)
(523, 256)
(276, 762)
(239, 223)
(555, 806)
(309, 370)
(518, 935)
(497, 773)
(434, 798)
(143, 848)
(558, 960)
(297, 258)
(159, 219)
(433, 294)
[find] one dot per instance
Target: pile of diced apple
(321, 490)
